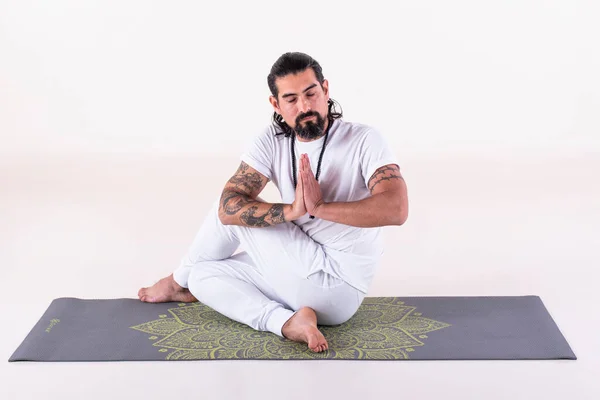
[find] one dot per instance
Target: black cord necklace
(330, 122)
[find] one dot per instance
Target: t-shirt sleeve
(375, 153)
(259, 154)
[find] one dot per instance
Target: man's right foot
(302, 327)
(164, 291)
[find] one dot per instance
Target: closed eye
(293, 99)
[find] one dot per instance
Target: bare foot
(164, 291)
(302, 327)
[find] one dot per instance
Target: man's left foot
(164, 291)
(302, 327)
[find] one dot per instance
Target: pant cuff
(277, 319)
(181, 275)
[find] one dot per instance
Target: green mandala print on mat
(383, 328)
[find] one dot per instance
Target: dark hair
(293, 63)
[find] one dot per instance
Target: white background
(120, 121)
(140, 76)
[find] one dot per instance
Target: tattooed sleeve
(274, 215)
(241, 191)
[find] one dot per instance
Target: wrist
(320, 210)
(288, 213)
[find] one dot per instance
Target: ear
(275, 104)
(326, 88)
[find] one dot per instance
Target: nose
(303, 105)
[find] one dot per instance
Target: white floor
(502, 224)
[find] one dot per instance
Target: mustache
(308, 114)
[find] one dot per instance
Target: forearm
(382, 209)
(239, 209)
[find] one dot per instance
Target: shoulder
(356, 132)
(354, 128)
(269, 136)
(274, 133)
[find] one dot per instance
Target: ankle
(174, 285)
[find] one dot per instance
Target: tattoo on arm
(241, 188)
(246, 182)
(239, 194)
(386, 173)
(233, 202)
(275, 214)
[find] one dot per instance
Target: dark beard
(310, 130)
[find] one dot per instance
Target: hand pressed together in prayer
(313, 198)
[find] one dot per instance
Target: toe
(147, 299)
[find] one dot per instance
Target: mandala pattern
(383, 328)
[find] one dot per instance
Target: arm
(240, 205)
(387, 205)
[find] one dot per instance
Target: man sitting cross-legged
(311, 258)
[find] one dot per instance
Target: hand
(313, 198)
(298, 208)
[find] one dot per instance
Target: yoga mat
(384, 328)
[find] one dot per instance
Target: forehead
(296, 83)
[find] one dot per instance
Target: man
(312, 257)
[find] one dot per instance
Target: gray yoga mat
(384, 328)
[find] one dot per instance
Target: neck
(325, 127)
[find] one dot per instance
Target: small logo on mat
(52, 323)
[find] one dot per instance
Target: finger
(310, 172)
(304, 165)
(308, 183)
(307, 168)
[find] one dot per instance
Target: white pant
(281, 269)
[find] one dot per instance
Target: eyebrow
(294, 94)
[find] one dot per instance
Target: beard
(311, 129)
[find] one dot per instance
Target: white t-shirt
(353, 153)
